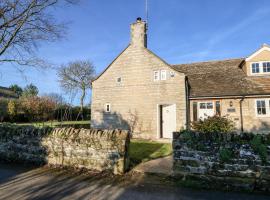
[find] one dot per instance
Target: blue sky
(180, 31)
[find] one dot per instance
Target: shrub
(258, 147)
(3, 109)
(38, 108)
(214, 124)
(225, 155)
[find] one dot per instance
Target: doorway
(167, 120)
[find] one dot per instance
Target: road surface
(20, 182)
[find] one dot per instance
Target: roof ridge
(210, 61)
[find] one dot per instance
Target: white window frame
(260, 68)
(156, 78)
(267, 107)
(163, 75)
(106, 105)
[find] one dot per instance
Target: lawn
(145, 150)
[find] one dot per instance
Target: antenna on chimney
(146, 13)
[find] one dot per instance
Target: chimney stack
(138, 33)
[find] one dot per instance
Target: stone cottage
(143, 93)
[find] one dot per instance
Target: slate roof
(7, 93)
(222, 78)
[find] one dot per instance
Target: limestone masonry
(224, 161)
(79, 148)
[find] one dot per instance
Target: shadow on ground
(47, 183)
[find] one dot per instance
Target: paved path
(43, 183)
(162, 166)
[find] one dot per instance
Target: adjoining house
(6, 93)
(141, 92)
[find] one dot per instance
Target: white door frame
(159, 117)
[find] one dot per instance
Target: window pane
(266, 67)
(156, 75)
(261, 107)
(202, 106)
(218, 112)
(255, 68)
(195, 118)
(209, 105)
(163, 75)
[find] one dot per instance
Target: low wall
(224, 161)
(80, 148)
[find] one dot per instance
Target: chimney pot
(139, 19)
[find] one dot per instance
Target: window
(218, 111)
(202, 105)
(255, 68)
(266, 67)
(209, 105)
(195, 112)
(260, 67)
(119, 80)
(156, 75)
(163, 75)
(261, 107)
(107, 107)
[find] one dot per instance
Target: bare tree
(77, 76)
(23, 25)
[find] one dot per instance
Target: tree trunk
(82, 101)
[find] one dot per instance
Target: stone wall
(79, 148)
(226, 161)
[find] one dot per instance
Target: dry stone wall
(92, 149)
(225, 161)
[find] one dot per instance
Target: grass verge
(144, 150)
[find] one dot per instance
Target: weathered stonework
(79, 148)
(134, 101)
(200, 160)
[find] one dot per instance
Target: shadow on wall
(114, 120)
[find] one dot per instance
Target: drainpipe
(187, 104)
(241, 114)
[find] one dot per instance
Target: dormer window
(255, 68)
(260, 67)
(266, 66)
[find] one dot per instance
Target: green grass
(54, 123)
(144, 150)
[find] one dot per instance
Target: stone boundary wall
(92, 149)
(222, 161)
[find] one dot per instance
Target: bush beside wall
(80, 148)
(226, 161)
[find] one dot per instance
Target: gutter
(230, 96)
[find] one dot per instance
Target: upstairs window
(266, 66)
(163, 75)
(156, 75)
(260, 68)
(119, 80)
(255, 68)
